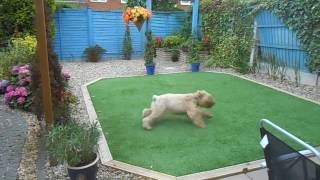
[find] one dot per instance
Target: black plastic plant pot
(88, 172)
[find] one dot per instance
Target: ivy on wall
(304, 18)
(229, 26)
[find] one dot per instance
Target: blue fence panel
(81, 28)
(275, 38)
(71, 34)
(166, 23)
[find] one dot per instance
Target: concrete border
(106, 157)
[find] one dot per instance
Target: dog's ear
(199, 94)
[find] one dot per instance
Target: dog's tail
(154, 98)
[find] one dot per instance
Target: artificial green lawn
(175, 146)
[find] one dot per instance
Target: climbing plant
(150, 50)
(304, 18)
(127, 44)
(228, 25)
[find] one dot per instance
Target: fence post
(195, 18)
(42, 60)
(90, 28)
(254, 47)
(149, 7)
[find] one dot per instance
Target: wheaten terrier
(179, 103)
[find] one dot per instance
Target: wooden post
(255, 45)
(195, 18)
(149, 7)
(42, 55)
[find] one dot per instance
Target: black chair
(284, 162)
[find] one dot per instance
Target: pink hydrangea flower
(66, 76)
(7, 98)
(22, 82)
(21, 100)
(28, 79)
(23, 70)
(9, 95)
(15, 70)
(22, 91)
(10, 88)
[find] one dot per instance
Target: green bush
(73, 143)
(232, 52)
(172, 41)
(20, 51)
(185, 46)
(16, 17)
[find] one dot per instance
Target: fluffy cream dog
(178, 103)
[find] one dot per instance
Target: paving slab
(237, 177)
(258, 175)
(13, 131)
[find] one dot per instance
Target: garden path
(13, 131)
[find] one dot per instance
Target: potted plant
(94, 53)
(204, 48)
(169, 43)
(193, 57)
(149, 53)
(184, 48)
(175, 55)
(75, 144)
(136, 14)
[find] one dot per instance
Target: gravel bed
(27, 169)
(83, 72)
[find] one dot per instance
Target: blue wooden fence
(275, 38)
(78, 29)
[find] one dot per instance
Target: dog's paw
(207, 115)
(146, 126)
(202, 126)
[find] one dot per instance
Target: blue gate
(276, 39)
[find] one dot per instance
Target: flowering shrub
(204, 45)
(20, 51)
(172, 41)
(158, 42)
(18, 93)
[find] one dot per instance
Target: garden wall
(77, 29)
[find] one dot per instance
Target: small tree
(127, 44)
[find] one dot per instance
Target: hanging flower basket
(138, 15)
